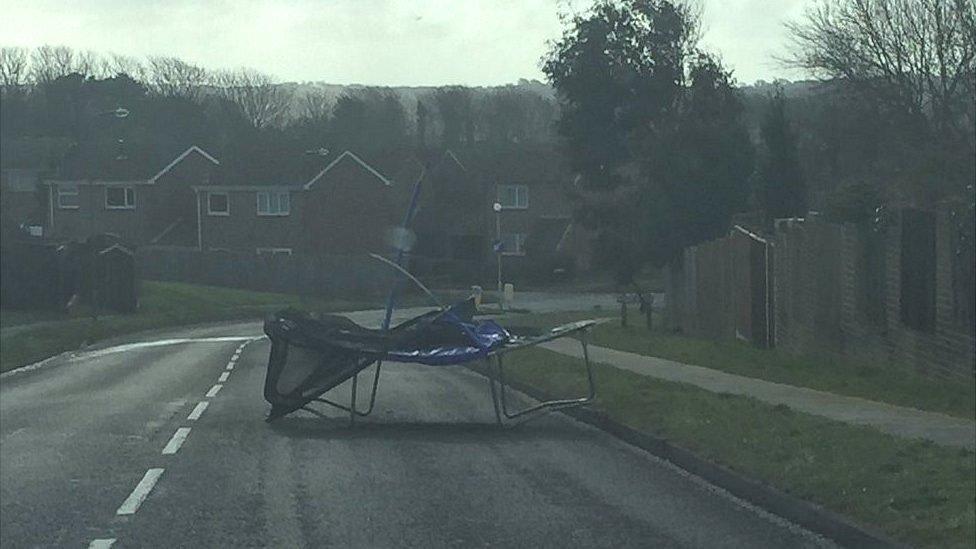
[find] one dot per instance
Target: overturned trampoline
(311, 356)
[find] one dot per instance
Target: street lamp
(497, 207)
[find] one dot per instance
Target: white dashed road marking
(149, 480)
(198, 411)
(138, 495)
(174, 443)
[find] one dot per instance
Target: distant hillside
(409, 95)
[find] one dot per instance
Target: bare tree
(88, 63)
(262, 102)
(48, 63)
(173, 77)
(13, 68)
(316, 105)
(116, 64)
(918, 56)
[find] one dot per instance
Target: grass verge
(880, 382)
(916, 492)
(161, 304)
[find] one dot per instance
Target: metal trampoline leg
(589, 368)
(548, 404)
(352, 400)
(352, 409)
(494, 393)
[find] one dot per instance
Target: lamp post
(497, 207)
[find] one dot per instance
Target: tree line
(669, 148)
(56, 92)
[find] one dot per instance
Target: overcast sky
(377, 42)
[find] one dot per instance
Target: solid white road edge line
(157, 343)
(223, 377)
(198, 410)
(103, 543)
(138, 495)
(213, 391)
(174, 443)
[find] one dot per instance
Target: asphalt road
(85, 438)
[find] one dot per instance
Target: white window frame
(126, 190)
(519, 239)
(520, 191)
(218, 213)
(269, 212)
(65, 190)
(273, 251)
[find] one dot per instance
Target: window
(513, 243)
(274, 203)
(68, 197)
(274, 251)
(513, 196)
(218, 204)
(120, 198)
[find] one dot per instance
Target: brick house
(22, 204)
(24, 163)
(127, 197)
(344, 208)
(456, 220)
(271, 203)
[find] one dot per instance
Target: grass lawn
(916, 492)
(161, 304)
(881, 382)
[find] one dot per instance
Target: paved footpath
(894, 420)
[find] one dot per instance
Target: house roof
(178, 159)
(40, 153)
(136, 162)
(522, 163)
(547, 234)
(347, 156)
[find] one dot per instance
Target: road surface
(136, 444)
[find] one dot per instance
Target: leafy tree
(369, 119)
(422, 115)
(652, 126)
(782, 192)
(697, 166)
(454, 108)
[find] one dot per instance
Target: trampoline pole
(400, 252)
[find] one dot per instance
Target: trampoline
(311, 356)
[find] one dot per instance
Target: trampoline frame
(495, 372)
